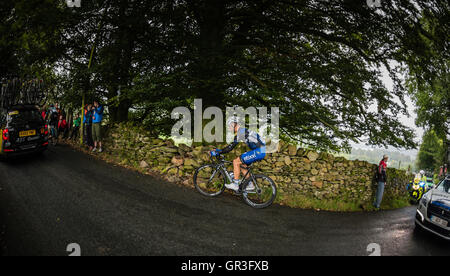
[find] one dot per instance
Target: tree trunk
(209, 70)
(124, 46)
(119, 113)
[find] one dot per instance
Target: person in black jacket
(88, 126)
(381, 179)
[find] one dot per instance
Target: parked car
(22, 130)
(433, 212)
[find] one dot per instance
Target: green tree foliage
(29, 36)
(8, 41)
(319, 61)
(433, 111)
(429, 75)
(430, 155)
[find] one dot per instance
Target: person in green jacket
(76, 128)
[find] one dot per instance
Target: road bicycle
(210, 181)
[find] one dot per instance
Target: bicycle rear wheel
(209, 181)
(264, 193)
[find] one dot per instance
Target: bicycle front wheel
(209, 181)
(263, 194)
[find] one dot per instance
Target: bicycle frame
(248, 188)
(249, 176)
(220, 165)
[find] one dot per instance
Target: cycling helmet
(422, 172)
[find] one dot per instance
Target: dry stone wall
(315, 175)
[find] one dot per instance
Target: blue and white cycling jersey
(254, 141)
(251, 138)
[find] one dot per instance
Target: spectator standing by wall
(88, 125)
(97, 119)
(76, 128)
(381, 180)
(62, 126)
(443, 171)
(44, 113)
(52, 118)
(84, 124)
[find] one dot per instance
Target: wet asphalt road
(67, 197)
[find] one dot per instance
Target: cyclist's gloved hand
(215, 152)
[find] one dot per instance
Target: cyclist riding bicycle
(257, 151)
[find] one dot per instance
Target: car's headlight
(424, 201)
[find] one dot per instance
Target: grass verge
(303, 202)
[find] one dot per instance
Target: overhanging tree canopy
(319, 61)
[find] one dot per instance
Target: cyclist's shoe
(250, 187)
(100, 150)
(233, 186)
(94, 150)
